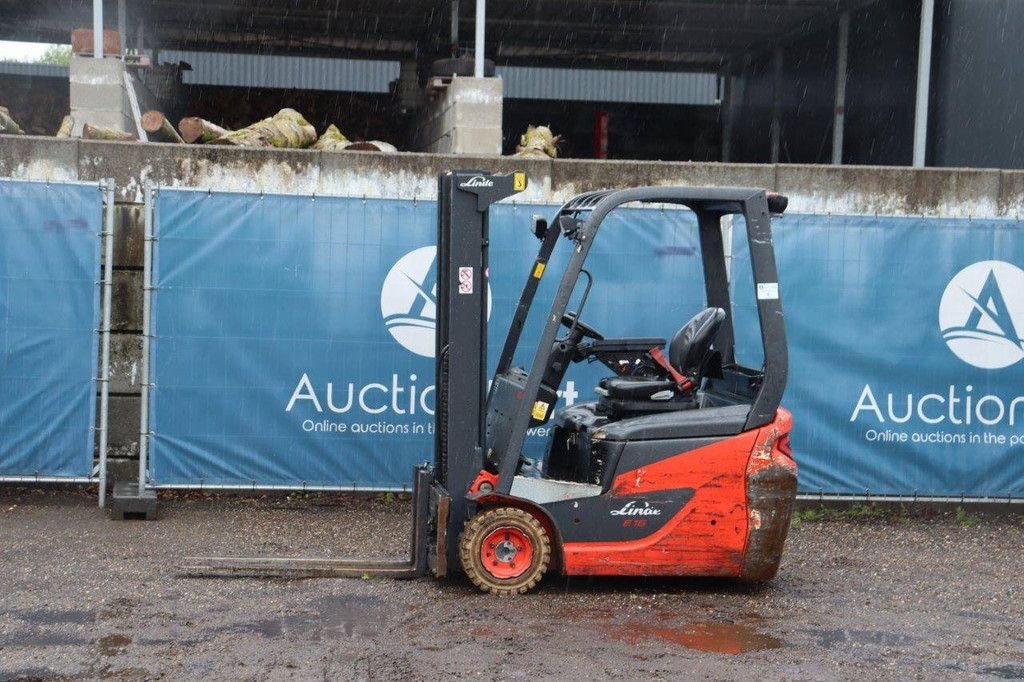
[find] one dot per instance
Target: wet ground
(858, 596)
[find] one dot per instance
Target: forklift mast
(464, 198)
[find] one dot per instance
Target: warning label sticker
(466, 280)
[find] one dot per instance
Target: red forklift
(680, 467)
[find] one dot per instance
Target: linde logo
(408, 300)
(981, 310)
(477, 181)
(631, 509)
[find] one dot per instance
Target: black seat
(690, 347)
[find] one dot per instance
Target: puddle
(338, 616)
(112, 645)
(1005, 672)
(42, 639)
(717, 638)
(831, 638)
(56, 617)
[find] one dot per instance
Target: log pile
(286, 129)
(66, 126)
(91, 132)
(157, 125)
(538, 143)
(195, 129)
(332, 140)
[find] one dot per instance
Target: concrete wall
(818, 189)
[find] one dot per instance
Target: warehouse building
(896, 82)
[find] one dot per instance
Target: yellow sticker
(519, 182)
(538, 270)
(540, 410)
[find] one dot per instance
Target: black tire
(486, 569)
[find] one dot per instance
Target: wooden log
(332, 140)
(286, 129)
(371, 146)
(538, 142)
(8, 126)
(155, 123)
(66, 126)
(195, 129)
(91, 132)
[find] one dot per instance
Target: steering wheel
(569, 319)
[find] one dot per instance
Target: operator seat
(623, 396)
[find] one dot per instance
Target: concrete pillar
(98, 94)
(924, 75)
(839, 120)
(122, 26)
(455, 27)
(479, 39)
(463, 118)
(725, 106)
(97, 29)
(736, 94)
(776, 131)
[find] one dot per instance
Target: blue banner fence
(50, 322)
(291, 338)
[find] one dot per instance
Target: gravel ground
(84, 597)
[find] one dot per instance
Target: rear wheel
(505, 551)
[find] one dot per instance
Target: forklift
(680, 467)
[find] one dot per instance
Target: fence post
(147, 282)
(107, 187)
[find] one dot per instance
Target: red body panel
(710, 535)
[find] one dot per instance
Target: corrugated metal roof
(302, 73)
(44, 70)
(592, 85)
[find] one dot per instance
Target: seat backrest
(693, 340)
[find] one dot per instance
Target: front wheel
(505, 551)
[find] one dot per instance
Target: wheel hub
(506, 553)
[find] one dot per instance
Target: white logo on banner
(408, 300)
(981, 310)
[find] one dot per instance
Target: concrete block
(476, 90)
(128, 235)
(466, 140)
(126, 315)
(28, 157)
(103, 119)
(124, 422)
(89, 71)
(125, 363)
(98, 97)
(474, 115)
(129, 502)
